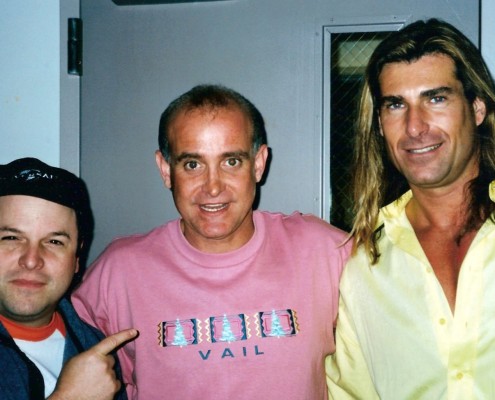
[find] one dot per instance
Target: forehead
(429, 71)
(28, 210)
(203, 126)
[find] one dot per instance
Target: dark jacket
(20, 379)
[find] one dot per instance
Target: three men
(45, 349)
(417, 305)
(229, 303)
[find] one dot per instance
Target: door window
(347, 47)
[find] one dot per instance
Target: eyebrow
(436, 91)
(184, 156)
(196, 156)
(8, 229)
(62, 233)
(424, 94)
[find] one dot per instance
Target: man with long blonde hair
(416, 315)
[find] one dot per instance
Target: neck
(446, 206)
(447, 210)
(25, 332)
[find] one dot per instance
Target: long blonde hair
(376, 182)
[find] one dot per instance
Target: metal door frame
(343, 25)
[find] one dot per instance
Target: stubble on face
(428, 124)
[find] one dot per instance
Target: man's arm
(347, 372)
(90, 375)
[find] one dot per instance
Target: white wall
(29, 50)
(31, 120)
(39, 102)
(488, 33)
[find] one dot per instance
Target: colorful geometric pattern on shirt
(228, 328)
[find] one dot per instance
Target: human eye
(9, 234)
(233, 162)
(438, 99)
(9, 237)
(191, 165)
(58, 240)
(393, 105)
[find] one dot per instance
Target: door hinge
(74, 47)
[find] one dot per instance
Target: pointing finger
(110, 343)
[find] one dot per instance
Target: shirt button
(459, 376)
(442, 321)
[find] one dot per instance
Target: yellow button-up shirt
(396, 335)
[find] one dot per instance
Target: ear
(78, 252)
(260, 162)
(76, 270)
(479, 107)
(163, 168)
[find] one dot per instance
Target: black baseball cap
(32, 177)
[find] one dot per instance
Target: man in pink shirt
(229, 302)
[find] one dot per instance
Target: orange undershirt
(34, 334)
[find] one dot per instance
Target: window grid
(349, 56)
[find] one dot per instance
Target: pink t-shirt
(253, 323)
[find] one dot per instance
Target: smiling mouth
(424, 149)
(213, 207)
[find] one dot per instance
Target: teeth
(425, 149)
(213, 207)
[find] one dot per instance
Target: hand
(90, 375)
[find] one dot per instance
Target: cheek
(392, 139)
(393, 153)
(66, 266)
(391, 144)
(245, 185)
(62, 278)
(186, 194)
(389, 121)
(183, 187)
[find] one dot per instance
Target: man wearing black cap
(45, 224)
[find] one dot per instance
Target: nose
(416, 124)
(31, 258)
(213, 184)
